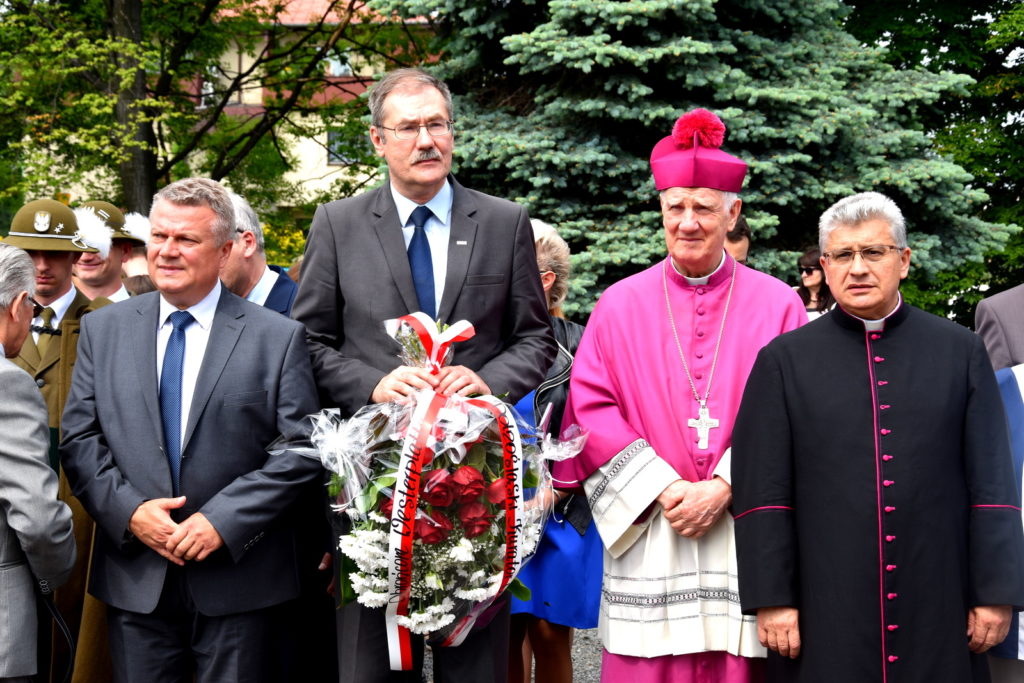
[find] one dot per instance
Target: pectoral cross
(703, 423)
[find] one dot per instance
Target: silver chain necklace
(703, 422)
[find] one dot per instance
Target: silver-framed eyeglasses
(409, 131)
(872, 254)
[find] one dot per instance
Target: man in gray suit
(36, 545)
(421, 242)
(1000, 322)
(175, 396)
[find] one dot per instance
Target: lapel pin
(461, 243)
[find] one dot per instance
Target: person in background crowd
(420, 242)
(878, 522)
(999, 320)
(139, 284)
(564, 576)
(49, 232)
(175, 397)
(813, 289)
(656, 382)
(37, 548)
(295, 270)
(98, 276)
(737, 241)
(246, 272)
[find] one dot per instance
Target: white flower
(463, 551)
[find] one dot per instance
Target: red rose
(495, 492)
(437, 488)
(385, 507)
(469, 483)
(432, 528)
(474, 518)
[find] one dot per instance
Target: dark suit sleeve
(90, 468)
(28, 487)
(242, 510)
(530, 345)
(762, 491)
(996, 541)
(343, 381)
(988, 325)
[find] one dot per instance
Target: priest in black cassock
(877, 519)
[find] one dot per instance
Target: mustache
(427, 155)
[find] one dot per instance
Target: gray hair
(203, 192)
(404, 78)
(728, 198)
(552, 255)
(246, 219)
(17, 274)
(857, 208)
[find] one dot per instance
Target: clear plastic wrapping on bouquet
(445, 498)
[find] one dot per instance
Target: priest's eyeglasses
(872, 254)
(409, 131)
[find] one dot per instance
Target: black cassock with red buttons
(873, 490)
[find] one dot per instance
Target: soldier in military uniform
(96, 276)
(49, 232)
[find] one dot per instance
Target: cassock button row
(886, 432)
(699, 354)
(698, 375)
(892, 596)
(893, 627)
(892, 658)
(876, 337)
(887, 458)
(890, 568)
(882, 382)
(890, 508)
(888, 482)
(701, 461)
(890, 539)
(884, 406)
(700, 290)
(700, 311)
(879, 359)
(700, 333)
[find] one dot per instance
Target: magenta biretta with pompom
(691, 156)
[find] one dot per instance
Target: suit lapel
(389, 233)
(29, 354)
(228, 323)
(142, 337)
(460, 248)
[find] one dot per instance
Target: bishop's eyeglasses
(408, 131)
(872, 254)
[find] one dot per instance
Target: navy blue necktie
(420, 262)
(170, 393)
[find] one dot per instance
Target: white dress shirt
(121, 294)
(60, 307)
(261, 290)
(437, 228)
(196, 336)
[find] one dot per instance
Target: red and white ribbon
(437, 344)
(416, 452)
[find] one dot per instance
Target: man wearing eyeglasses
(37, 547)
(420, 242)
(877, 518)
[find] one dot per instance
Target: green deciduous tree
(125, 95)
(981, 128)
(561, 101)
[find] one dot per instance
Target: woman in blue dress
(564, 576)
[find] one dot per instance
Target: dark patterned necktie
(170, 393)
(421, 263)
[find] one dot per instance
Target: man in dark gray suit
(36, 545)
(175, 396)
(460, 255)
(999, 320)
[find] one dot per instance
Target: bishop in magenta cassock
(877, 514)
(657, 381)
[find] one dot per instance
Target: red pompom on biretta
(708, 128)
(691, 156)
